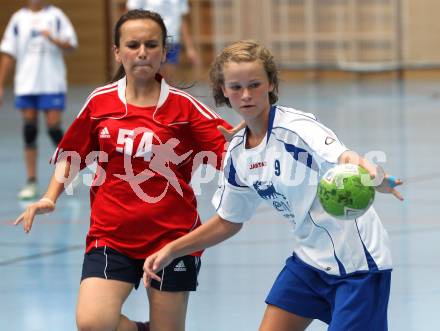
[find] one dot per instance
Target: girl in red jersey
(147, 138)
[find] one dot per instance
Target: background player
(148, 135)
(175, 15)
(340, 271)
(34, 40)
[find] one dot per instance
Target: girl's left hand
(379, 179)
(388, 184)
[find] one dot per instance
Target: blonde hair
(242, 51)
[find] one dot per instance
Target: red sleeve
(205, 134)
(78, 140)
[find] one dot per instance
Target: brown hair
(136, 14)
(242, 51)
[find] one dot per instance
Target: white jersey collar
(163, 96)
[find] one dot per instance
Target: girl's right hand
(229, 133)
(155, 263)
(43, 206)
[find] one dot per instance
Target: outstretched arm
(47, 203)
(214, 231)
(385, 183)
(191, 52)
(6, 64)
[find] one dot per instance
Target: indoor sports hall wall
(88, 64)
(337, 36)
(351, 35)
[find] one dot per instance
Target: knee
(94, 322)
(55, 134)
(30, 131)
(84, 324)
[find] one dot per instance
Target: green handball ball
(345, 191)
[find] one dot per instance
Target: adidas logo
(104, 133)
(180, 266)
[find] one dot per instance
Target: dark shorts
(41, 101)
(355, 302)
(105, 262)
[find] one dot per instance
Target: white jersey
(170, 10)
(40, 65)
(284, 171)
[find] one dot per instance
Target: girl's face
(35, 3)
(247, 88)
(140, 50)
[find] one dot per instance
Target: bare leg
(126, 325)
(99, 305)
(53, 124)
(276, 319)
(30, 154)
(53, 117)
(167, 310)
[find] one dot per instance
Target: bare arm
(47, 203)
(7, 62)
(187, 40)
(214, 231)
(384, 182)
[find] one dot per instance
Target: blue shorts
(173, 53)
(41, 101)
(355, 302)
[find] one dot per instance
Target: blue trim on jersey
(221, 198)
(229, 171)
(238, 144)
(272, 112)
(307, 116)
(358, 272)
(16, 30)
(232, 174)
(58, 24)
(310, 162)
(226, 169)
(296, 152)
(342, 270)
(372, 266)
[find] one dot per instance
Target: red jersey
(142, 199)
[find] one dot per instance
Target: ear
(164, 56)
(116, 54)
(271, 87)
(224, 91)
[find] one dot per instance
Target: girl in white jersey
(340, 272)
(35, 41)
